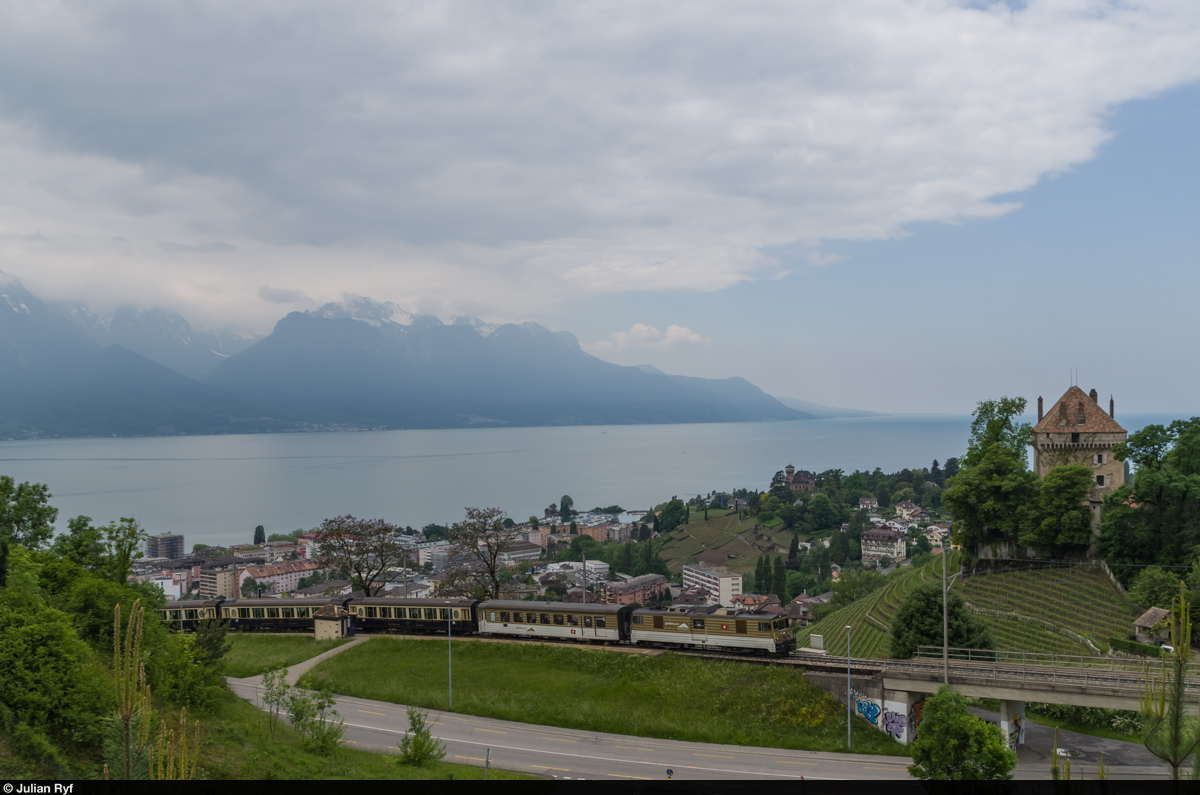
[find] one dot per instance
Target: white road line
(594, 758)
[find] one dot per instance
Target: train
(711, 628)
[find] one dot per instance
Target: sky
(897, 205)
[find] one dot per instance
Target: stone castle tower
(1077, 431)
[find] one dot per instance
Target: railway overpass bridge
(890, 694)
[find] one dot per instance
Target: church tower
(1077, 430)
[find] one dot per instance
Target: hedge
(1144, 649)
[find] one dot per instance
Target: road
(566, 753)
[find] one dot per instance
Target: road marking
(493, 731)
(352, 742)
(544, 767)
(472, 758)
(631, 748)
(618, 775)
(715, 756)
(557, 740)
(786, 762)
(369, 712)
(892, 769)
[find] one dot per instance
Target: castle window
(1062, 415)
(1099, 458)
(1102, 480)
(1082, 416)
(1074, 438)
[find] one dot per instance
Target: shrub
(419, 745)
(1133, 647)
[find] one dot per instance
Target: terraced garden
(728, 534)
(1080, 600)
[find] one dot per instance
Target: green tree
(1063, 523)
(672, 516)
(779, 580)
(821, 513)
(1154, 587)
(123, 544)
(212, 643)
(418, 745)
(82, 543)
(762, 575)
(275, 693)
(955, 745)
(26, 516)
(574, 528)
(794, 547)
(566, 508)
(260, 535)
(1156, 519)
(918, 622)
(995, 422)
(365, 548)
(250, 588)
(993, 498)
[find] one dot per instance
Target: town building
(1077, 430)
(521, 550)
(278, 577)
(907, 510)
(721, 583)
(635, 589)
(219, 577)
(800, 480)
(868, 503)
(164, 545)
(882, 543)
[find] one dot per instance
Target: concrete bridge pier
(1012, 722)
(901, 714)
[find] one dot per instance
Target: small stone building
(331, 622)
(1146, 628)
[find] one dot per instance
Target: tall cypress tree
(762, 576)
(779, 581)
(794, 549)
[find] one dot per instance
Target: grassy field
(237, 744)
(252, 655)
(666, 696)
(1080, 599)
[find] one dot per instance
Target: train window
(455, 614)
(544, 618)
(430, 614)
(229, 612)
(174, 614)
(572, 621)
(386, 612)
(531, 618)
(243, 612)
(637, 619)
(491, 615)
(272, 612)
(191, 615)
(697, 623)
(740, 626)
(289, 612)
(781, 623)
(658, 622)
(600, 622)
(587, 621)
(764, 626)
(371, 611)
(302, 612)
(558, 619)
(518, 618)
(503, 617)
(444, 614)
(258, 612)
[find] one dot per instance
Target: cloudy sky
(903, 206)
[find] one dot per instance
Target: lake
(215, 489)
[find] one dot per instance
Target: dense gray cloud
(494, 157)
(280, 295)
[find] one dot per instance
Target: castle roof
(1063, 416)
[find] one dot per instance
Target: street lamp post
(449, 655)
(945, 625)
(849, 698)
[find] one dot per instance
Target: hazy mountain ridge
(355, 363)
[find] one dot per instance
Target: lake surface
(215, 489)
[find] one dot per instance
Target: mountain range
(354, 364)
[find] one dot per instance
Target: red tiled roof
(1096, 419)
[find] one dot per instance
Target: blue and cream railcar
(558, 620)
(185, 614)
(382, 614)
(274, 615)
(713, 629)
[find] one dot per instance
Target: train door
(699, 632)
(587, 627)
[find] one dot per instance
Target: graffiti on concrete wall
(894, 724)
(1016, 731)
(865, 705)
(914, 719)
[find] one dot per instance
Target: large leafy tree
(26, 515)
(1156, 519)
(855, 584)
(918, 622)
(955, 745)
(477, 564)
(1064, 522)
(365, 548)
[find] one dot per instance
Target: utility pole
(849, 698)
(945, 624)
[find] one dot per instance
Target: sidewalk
(300, 669)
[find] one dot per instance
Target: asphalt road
(566, 753)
